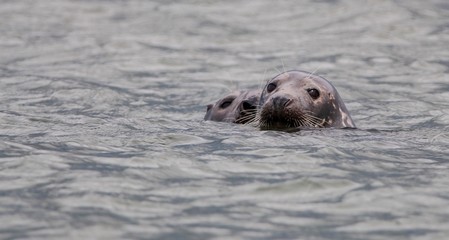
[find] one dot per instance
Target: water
(101, 131)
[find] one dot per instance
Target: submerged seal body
(300, 99)
(237, 107)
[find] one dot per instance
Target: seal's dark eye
(313, 93)
(271, 87)
(226, 103)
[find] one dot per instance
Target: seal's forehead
(253, 93)
(310, 78)
(233, 94)
(282, 76)
(293, 75)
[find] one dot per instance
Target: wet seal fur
(297, 99)
(237, 107)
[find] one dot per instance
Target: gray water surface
(101, 130)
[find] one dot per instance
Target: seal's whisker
(250, 110)
(264, 80)
(304, 122)
(318, 120)
(282, 62)
(309, 119)
(256, 120)
(313, 72)
(298, 123)
(310, 114)
(279, 72)
(250, 114)
(314, 121)
(245, 119)
(251, 122)
(247, 115)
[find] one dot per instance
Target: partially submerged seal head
(300, 99)
(236, 107)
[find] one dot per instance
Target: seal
(297, 99)
(236, 107)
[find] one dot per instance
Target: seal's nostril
(281, 102)
(287, 102)
(247, 105)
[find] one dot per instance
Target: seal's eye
(313, 93)
(226, 103)
(271, 87)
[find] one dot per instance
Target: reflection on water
(101, 131)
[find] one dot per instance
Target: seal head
(236, 107)
(300, 99)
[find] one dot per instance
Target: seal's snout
(281, 102)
